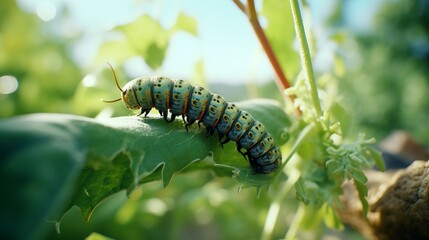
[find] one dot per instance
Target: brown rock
(398, 204)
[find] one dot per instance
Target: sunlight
(46, 11)
(8, 84)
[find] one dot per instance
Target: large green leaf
(40, 161)
(53, 161)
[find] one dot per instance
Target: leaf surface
(55, 161)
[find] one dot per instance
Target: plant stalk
(274, 210)
(250, 11)
(305, 56)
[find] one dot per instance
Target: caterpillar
(195, 103)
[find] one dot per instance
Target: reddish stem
(250, 11)
(253, 18)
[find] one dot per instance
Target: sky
(226, 42)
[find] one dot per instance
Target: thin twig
(250, 11)
(240, 5)
(253, 18)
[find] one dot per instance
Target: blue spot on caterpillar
(195, 103)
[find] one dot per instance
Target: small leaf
(378, 158)
(247, 178)
(335, 170)
(358, 175)
(186, 23)
(331, 218)
(97, 236)
(145, 37)
(101, 180)
(341, 115)
(199, 77)
(143, 32)
(154, 55)
(363, 193)
(120, 50)
(300, 191)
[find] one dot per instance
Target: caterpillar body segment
(180, 97)
(195, 103)
(229, 114)
(240, 126)
(214, 110)
(161, 90)
(253, 135)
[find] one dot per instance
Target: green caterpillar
(195, 103)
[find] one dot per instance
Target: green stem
(274, 210)
(303, 135)
(293, 228)
(305, 55)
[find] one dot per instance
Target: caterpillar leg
(268, 162)
(226, 141)
(172, 117)
(189, 123)
(222, 142)
(199, 123)
(269, 168)
(256, 168)
(246, 154)
(164, 114)
(220, 138)
(210, 131)
(265, 169)
(145, 111)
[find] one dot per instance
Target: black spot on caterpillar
(194, 103)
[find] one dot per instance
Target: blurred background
(53, 54)
(373, 56)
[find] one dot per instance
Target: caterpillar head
(127, 93)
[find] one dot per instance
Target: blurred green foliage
(146, 38)
(386, 83)
(47, 76)
(194, 206)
